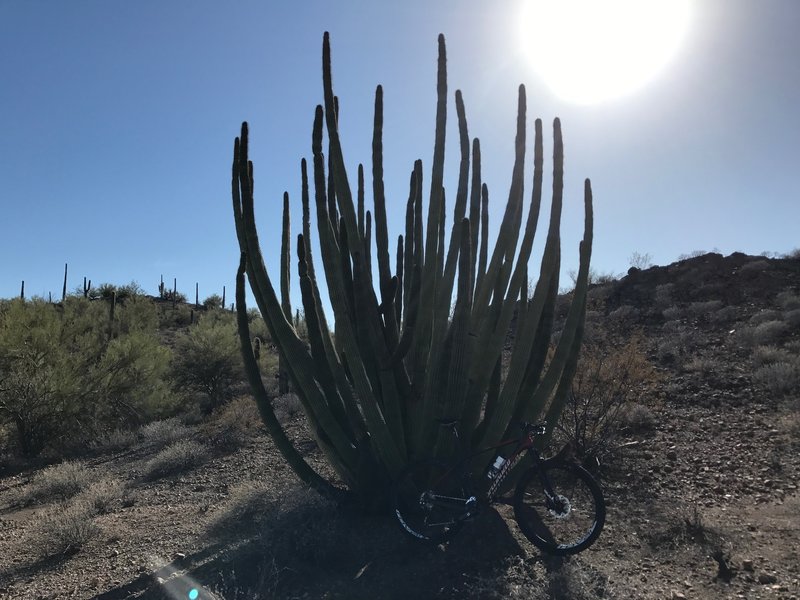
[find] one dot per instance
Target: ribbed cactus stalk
(286, 304)
(399, 353)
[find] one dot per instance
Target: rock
(747, 565)
(672, 455)
(676, 595)
(767, 578)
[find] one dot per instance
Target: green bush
(208, 360)
(67, 373)
(214, 301)
(133, 376)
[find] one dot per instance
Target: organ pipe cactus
(399, 357)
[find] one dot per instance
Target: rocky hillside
(702, 485)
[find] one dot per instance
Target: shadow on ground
(330, 555)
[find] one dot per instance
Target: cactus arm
(475, 207)
(461, 347)
(299, 362)
(345, 389)
(569, 344)
(446, 287)
(484, 237)
(295, 460)
(286, 304)
(360, 197)
(382, 441)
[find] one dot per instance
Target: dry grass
(115, 440)
(180, 456)
(636, 417)
(700, 309)
(102, 496)
(767, 355)
(64, 530)
(779, 378)
(59, 482)
(792, 318)
(788, 301)
(287, 407)
(764, 316)
(158, 434)
(702, 364)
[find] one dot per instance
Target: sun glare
(588, 51)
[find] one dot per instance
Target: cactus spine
(399, 359)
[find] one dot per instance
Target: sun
(590, 51)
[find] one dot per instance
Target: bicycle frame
(524, 444)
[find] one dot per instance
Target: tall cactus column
(397, 354)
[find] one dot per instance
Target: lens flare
(588, 51)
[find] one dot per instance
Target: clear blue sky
(117, 122)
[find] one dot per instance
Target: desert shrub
(176, 458)
(788, 300)
(65, 530)
(208, 362)
(636, 417)
(232, 425)
(138, 314)
(134, 372)
(287, 407)
(769, 332)
(114, 440)
(702, 364)
(668, 350)
(764, 316)
(778, 378)
(214, 301)
(792, 318)
(637, 260)
(663, 296)
(767, 355)
(624, 313)
(606, 380)
(700, 309)
(171, 295)
(726, 314)
(755, 266)
(158, 434)
(101, 496)
(64, 380)
(58, 482)
(672, 313)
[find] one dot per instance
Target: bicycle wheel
(568, 522)
(429, 501)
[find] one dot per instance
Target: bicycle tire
(574, 522)
(420, 504)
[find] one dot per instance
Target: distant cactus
(399, 356)
(64, 289)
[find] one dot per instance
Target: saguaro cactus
(400, 357)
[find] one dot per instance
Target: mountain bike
(557, 504)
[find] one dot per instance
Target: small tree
(608, 380)
(208, 361)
